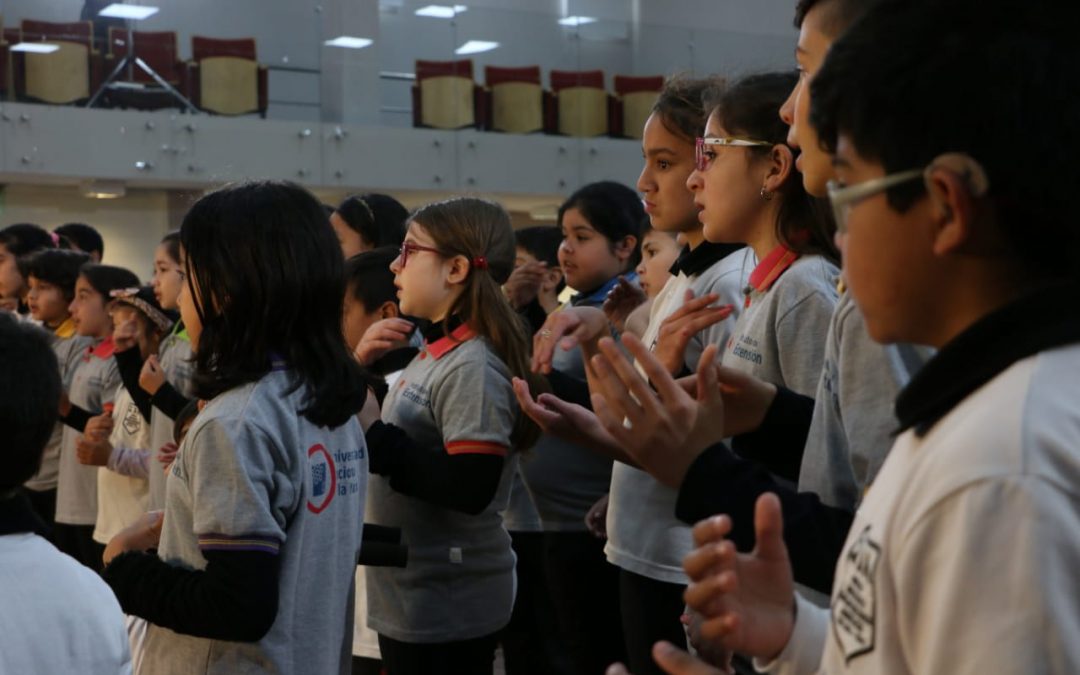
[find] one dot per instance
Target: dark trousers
(44, 504)
(362, 665)
(78, 542)
(531, 643)
(466, 657)
(650, 612)
(584, 589)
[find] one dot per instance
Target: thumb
(675, 661)
(154, 520)
(708, 389)
(769, 528)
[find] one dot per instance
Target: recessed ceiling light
(475, 47)
(441, 11)
(348, 42)
(576, 20)
(134, 12)
(35, 47)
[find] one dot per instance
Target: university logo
(323, 478)
(854, 604)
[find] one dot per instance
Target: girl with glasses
(444, 447)
(748, 191)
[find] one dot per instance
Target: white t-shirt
(57, 615)
(122, 498)
(963, 556)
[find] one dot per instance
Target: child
(950, 242)
(659, 250)
(81, 237)
(264, 501)
(536, 282)
(446, 481)
(51, 276)
(93, 386)
(366, 222)
(370, 297)
(122, 449)
(748, 191)
(161, 384)
(58, 616)
(600, 244)
(18, 241)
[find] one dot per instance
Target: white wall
(131, 226)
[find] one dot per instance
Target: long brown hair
(481, 230)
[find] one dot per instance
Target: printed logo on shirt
(323, 478)
(339, 474)
(132, 420)
(853, 608)
(416, 394)
(746, 348)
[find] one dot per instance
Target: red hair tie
(480, 263)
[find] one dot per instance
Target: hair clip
(123, 292)
(480, 262)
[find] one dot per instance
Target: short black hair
(542, 242)
(612, 209)
(57, 267)
(750, 108)
(85, 238)
(996, 81)
(29, 399)
(24, 238)
(269, 269)
(107, 278)
(368, 277)
(836, 15)
(681, 104)
(380, 219)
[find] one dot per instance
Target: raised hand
(622, 300)
(524, 283)
(673, 661)
(664, 430)
(143, 534)
(676, 331)
(126, 335)
(152, 376)
(382, 337)
(746, 600)
(567, 421)
(566, 329)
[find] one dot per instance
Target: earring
(765, 194)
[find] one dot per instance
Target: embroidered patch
(854, 603)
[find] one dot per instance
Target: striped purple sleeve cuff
(244, 542)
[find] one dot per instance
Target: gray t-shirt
(93, 385)
(520, 514)
(69, 352)
(780, 336)
(644, 537)
(255, 475)
(453, 397)
(565, 479)
(854, 419)
(175, 358)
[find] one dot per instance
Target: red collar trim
(769, 270)
(104, 349)
(447, 344)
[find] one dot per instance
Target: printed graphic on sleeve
(853, 608)
(132, 420)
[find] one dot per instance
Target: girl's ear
(459, 270)
(781, 164)
(389, 310)
(624, 248)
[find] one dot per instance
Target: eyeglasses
(408, 248)
(703, 158)
(843, 198)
